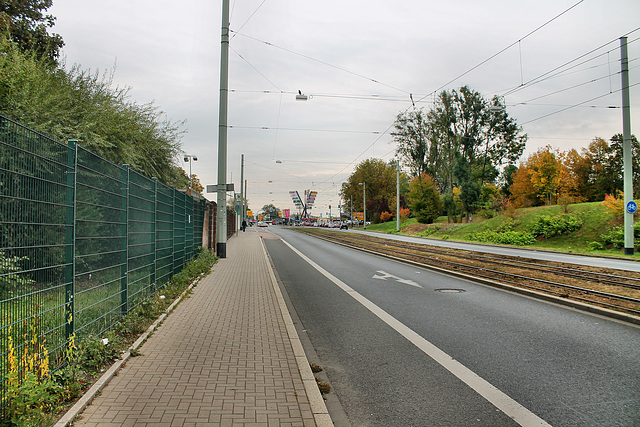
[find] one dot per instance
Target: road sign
(632, 207)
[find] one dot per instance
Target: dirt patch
(417, 228)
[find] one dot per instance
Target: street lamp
(188, 158)
(364, 203)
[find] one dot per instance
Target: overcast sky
(358, 61)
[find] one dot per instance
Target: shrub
(565, 200)
(385, 216)
(429, 231)
(487, 213)
(615, 205)
(596, 246)
(509, 208)
(404, 214)
(549, 226)
(517, 238)
(615, 237)
(506, 226)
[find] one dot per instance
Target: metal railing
(82, 240)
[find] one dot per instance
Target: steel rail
(564, 271)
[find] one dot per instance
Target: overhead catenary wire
(504, 49)
(576, 105)
(249, 18)
(465, 73)
(321, 61)
(561, 68)
(304, 129)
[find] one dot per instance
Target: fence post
(70, 238)
(124, 266)
(173, 231)
(155, 236)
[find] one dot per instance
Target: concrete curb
(316, 401)
(86, 399)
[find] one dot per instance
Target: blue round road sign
(632, 207)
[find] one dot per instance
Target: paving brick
(222, 357)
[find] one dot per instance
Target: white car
(262, 224)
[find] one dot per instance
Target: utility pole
(630, 206)
(398, 195)
(364, 203)
(241, 213)
(221, 240)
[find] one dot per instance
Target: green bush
(518, 238)
(596, 246)
(429, 231)
(615, 237)
(549, 226)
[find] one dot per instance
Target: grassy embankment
(596, 222)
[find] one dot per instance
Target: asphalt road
(403, 346)
(605, 262)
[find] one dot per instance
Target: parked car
(262, 224)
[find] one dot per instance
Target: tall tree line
(462, 142)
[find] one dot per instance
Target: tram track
(614, 290)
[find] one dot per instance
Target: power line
(305, 130)
(365, 97)
(546, 76)
(321, 62)
(251, 16)
(576, 105)
(256, 70)
(503, 50)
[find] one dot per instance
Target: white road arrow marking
(385, 276)
(409, 282)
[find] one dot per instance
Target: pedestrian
(244, 225)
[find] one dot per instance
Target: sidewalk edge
(85, 400)
(316, 401)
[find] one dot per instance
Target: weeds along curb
(87, 398)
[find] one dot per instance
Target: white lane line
(500, 400)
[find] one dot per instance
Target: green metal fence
(82, 240)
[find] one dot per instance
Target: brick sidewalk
(227, 355)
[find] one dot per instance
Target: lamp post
(188, 158)
(364, 204)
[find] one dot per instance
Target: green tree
(507, 178)
(380, 182)
(25, 23)
(462, 130)
(424, 199)
(270, 211)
